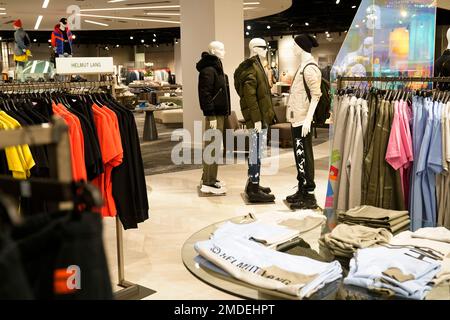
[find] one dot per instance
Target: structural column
(204, 21)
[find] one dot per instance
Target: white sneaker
(221, 183)
(216, 189)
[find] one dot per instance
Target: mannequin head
(63, 24)
(258, 47)
(217, 48)
(17, 24)
(448, 38)
(304, 44)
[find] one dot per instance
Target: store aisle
(153, 253)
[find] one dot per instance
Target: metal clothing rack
(56, 136)
(341, 80)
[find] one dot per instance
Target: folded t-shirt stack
(260, 266)
(433, 242)
(400, 271)
(273, 229)
(394, 221)
(346, 239)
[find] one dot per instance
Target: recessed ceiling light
(154, 35)
(353, 7)
(247, 33)
(357, 26)
(131, 38)
(306, 23)
(338, 1)
(45, 4)
(154, 40)
(268, 27)
(97, 23)
(249, 27)
(252, 3)
(38, 22)
(34, 40)
(74, 36)
(126, 18)
(117, 45)
(142, 40)
(131, 8)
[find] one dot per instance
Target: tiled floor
(153, 252)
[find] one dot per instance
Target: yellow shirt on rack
(19, 158)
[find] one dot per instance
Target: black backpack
(322, 113)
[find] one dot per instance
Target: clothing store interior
(225, 150)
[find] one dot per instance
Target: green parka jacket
(253, 88)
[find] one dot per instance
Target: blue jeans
(257, 142)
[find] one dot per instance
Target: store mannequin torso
(442, 65)
(300, 110)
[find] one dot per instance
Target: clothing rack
(56, 136)
(340, 80)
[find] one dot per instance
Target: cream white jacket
(298, 103)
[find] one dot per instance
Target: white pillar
(178, 64)
(203, 21)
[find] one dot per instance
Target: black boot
(308, 201)
(265, 190)
(296, 197)
(255, 195)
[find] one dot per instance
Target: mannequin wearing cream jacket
(300, 113)
(298, 103)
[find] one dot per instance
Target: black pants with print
(304, 158)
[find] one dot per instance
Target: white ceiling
(29, 10)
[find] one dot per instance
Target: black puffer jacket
(213, 87)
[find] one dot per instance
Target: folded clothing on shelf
(253, 263)
(345, 239)
(438, 248)
(401, 271)
(393, 221)
(274, 228)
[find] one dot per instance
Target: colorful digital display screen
(389, 38)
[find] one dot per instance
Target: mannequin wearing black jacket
(442, 65)
(214, 96)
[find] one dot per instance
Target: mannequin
(252, 85)
(442, 65)
(62, 39)
(214, 96)
(21, 49)
(300, 113)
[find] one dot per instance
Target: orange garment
(112, 154)
(76, 141)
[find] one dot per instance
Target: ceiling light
(154, 35)
(49, 40)
(2, 9)
(345, 31)
(250, 8)
(34, 40)
(117, 45)
(97, 23)
(2, 13)
(142, 41)
(404, 13)
(353, 7)
(1, 38)
(131, 8)
(247, 33)
(154, 40)
(74, 36)
(45, 4)
(176, 41)
(268, 27)
(249, 27)
(126, 18)
(114, 1)
(252, 3)
(357, 26)
(306, 23)
(338, 1)
(131, 38)
(328, 35)
(38, 22)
